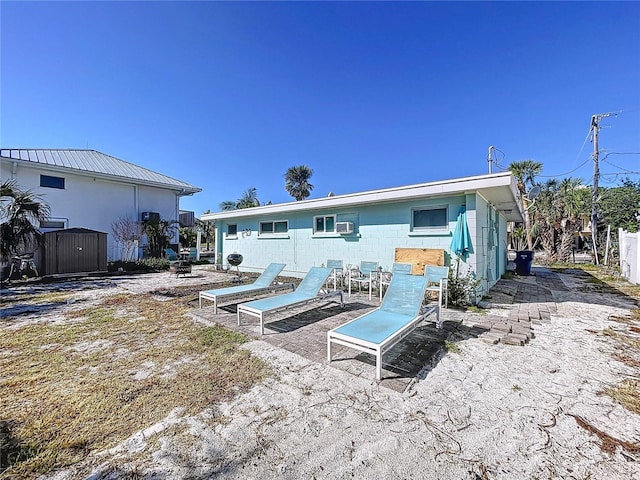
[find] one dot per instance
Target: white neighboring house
(89, 189)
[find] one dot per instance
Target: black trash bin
(524, 259)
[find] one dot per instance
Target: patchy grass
(451, 347)
(626, 334)
(112, 369)
(624, 338)
(476, 309)
(626, 394)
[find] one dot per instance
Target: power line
(567, 173)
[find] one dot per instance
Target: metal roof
(96, 164)
(499, 189)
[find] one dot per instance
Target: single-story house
(91, 190)
(372, 225)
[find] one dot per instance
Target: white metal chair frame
(263, 285)
(438, 281)
(337, 273)
(367, 272)
(309, 291)
(376, 332)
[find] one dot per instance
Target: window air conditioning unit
(150, 217)
(344, 228)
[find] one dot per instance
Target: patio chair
(337, 273)
(438, 281)
(263, 285)
(193, 254)
(367, 273)
(379, 330)
(309, 291)
(172, 256)
(396, 269)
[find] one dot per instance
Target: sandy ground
(485, 412)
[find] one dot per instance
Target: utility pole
(595, 127)
(489, 157)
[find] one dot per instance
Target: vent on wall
(344, 228)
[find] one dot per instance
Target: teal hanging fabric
(461, 240)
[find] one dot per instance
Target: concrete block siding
(382, 222)
(379, 230)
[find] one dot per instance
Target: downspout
(217, 245)
(177, 217)
(135, 202)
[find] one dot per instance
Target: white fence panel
(629, 259)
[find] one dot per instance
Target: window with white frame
(426, 219)
(274, 227)
(324, 224)
(50, 181)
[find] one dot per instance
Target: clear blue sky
(228, 95)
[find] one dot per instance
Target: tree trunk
(565, 251)
(547, 238)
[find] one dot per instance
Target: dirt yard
(174, 396)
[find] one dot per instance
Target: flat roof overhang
(499, 189)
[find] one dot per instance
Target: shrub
(152, 264)
(461, 289)
(141, 265)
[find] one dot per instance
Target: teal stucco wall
(378, 230)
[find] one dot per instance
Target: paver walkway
(305, 332)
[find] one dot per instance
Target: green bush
(142, 265)
(461, 288)
(152, 264)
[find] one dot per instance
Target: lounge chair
(379, 330)
(309, 291)
(366, 273)
(438, 281)
(172, 256)
(261, 286)
(396, 269)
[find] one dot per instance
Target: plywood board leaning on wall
(420, 257)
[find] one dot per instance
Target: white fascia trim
(179, 189)
(447, 187)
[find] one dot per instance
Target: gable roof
(92, 162)
(499, 189)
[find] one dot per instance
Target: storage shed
(74, 250)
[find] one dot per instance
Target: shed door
(77, 253)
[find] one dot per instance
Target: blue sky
(228, 95)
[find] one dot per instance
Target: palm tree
(159, 234)
(574, 201)
(297, 182)
(208, 229)
(545, 214)
(525, 173)
(249, 199)
(21, 212)
(557, 215)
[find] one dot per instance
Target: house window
(51, 182)
(432, 218)
(273, 228)
(324, 224)
(52, 224)
(232, 230)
